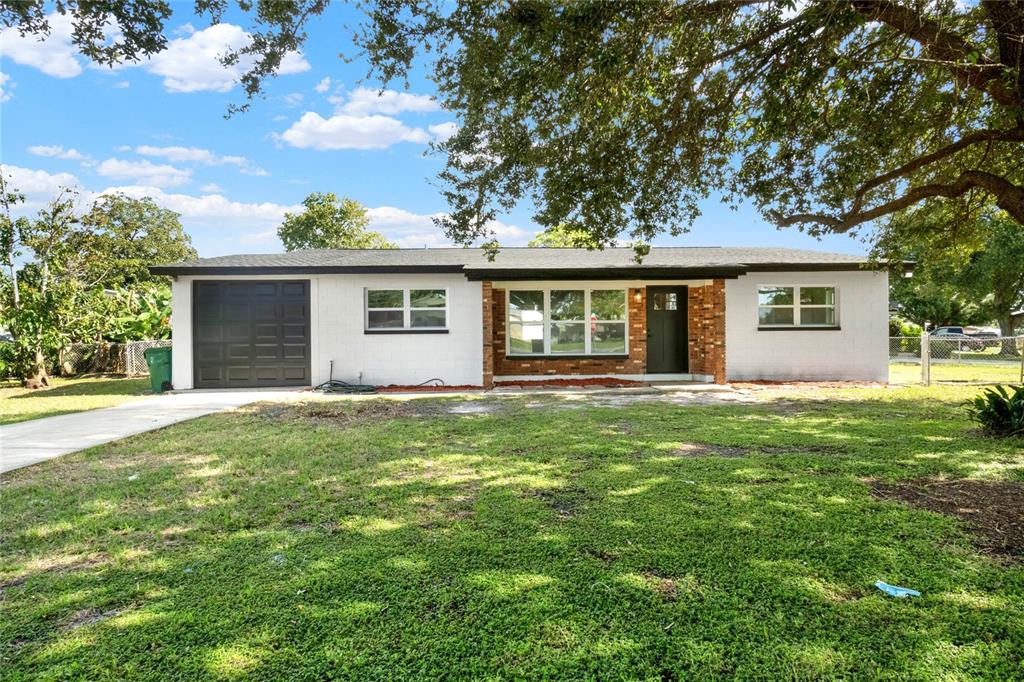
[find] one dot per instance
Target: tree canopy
(330, 223)
(561, 236)
(622, 117)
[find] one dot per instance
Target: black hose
(338, 386)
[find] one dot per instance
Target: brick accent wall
(488, 317)
(706, 315)
(636, 363)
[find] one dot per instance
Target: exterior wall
(636, 345)
(706, 320)
(858, 351)
(336, 331)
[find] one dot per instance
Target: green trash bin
(159, 362)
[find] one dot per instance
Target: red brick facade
(488, 311)
(706, 318)
(706, 314)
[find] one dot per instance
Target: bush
(999, 410)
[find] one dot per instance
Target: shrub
(999, 410)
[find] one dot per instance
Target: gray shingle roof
(521, 260)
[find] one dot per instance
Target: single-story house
(405, 316)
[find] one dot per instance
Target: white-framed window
(406, 308)
(796, 306)
(566, 321)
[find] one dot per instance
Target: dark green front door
(666, 330)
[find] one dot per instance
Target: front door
(666, 330)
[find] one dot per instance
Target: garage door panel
(251, 333)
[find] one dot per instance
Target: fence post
(926, 359)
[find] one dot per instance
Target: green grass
(958, 372)
(546, 540)
(67, 395)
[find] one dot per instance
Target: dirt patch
(596, 382)
(563, 501)
(666, 587)
(347, 412)
(89, 617)
(600, 554)
(993, 510)
(708, 450)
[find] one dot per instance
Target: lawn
(957, 372)
(521, 538)
(67, 395)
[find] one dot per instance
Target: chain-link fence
(956, 359)
(104, 358)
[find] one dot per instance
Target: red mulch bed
(600, 382)
(426, 389)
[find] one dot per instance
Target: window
(398, 309)
(567, 322)
(780, 306)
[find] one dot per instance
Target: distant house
(408, 315)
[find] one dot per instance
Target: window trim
(797, 308)
(406, 309)
(546, 322)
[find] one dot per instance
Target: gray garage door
(250, 333)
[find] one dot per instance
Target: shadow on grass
(98, 385)
(533, 542)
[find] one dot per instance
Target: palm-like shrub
(999, 410)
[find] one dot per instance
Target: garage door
(250, 333)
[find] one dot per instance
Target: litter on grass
(896, 591)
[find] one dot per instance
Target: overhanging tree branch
(1007, 195)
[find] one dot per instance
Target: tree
(616, 117)
(133, 234)
(327, 223)
(959, 282)
(561, 236)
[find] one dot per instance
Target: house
(405, 316)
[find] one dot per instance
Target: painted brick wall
(706, 320)
(858, 351)
(636, 363)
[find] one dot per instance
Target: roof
(525, 262)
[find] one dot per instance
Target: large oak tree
(621, 117)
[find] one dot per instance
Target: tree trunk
(1006, 331)
(37, 377)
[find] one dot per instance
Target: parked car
(947, 340)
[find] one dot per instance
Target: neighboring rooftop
(665, 261)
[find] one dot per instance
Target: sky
(158, 129)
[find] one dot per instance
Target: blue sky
(158, 129)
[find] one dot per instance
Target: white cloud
(54, 55)
(181, 154)
(5, 87)
(192, 64)
(38, 186)
(293, 99)
(363, 101)
(443, 131)
(144, 172)
(57, 152)
(211, 188)
(213, 210)
(415, 230)
(121, 85)
(324, 85)
(343, 131)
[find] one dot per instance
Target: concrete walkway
(38, 440)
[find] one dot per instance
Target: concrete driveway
(38, 440)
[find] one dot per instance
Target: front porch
(666, 330)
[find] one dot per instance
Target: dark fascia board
(478, 273)
(641, 273)
(202, 270)
(814, 267)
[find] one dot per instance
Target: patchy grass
(640, 540)
(1005, 372)
(67, 395)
